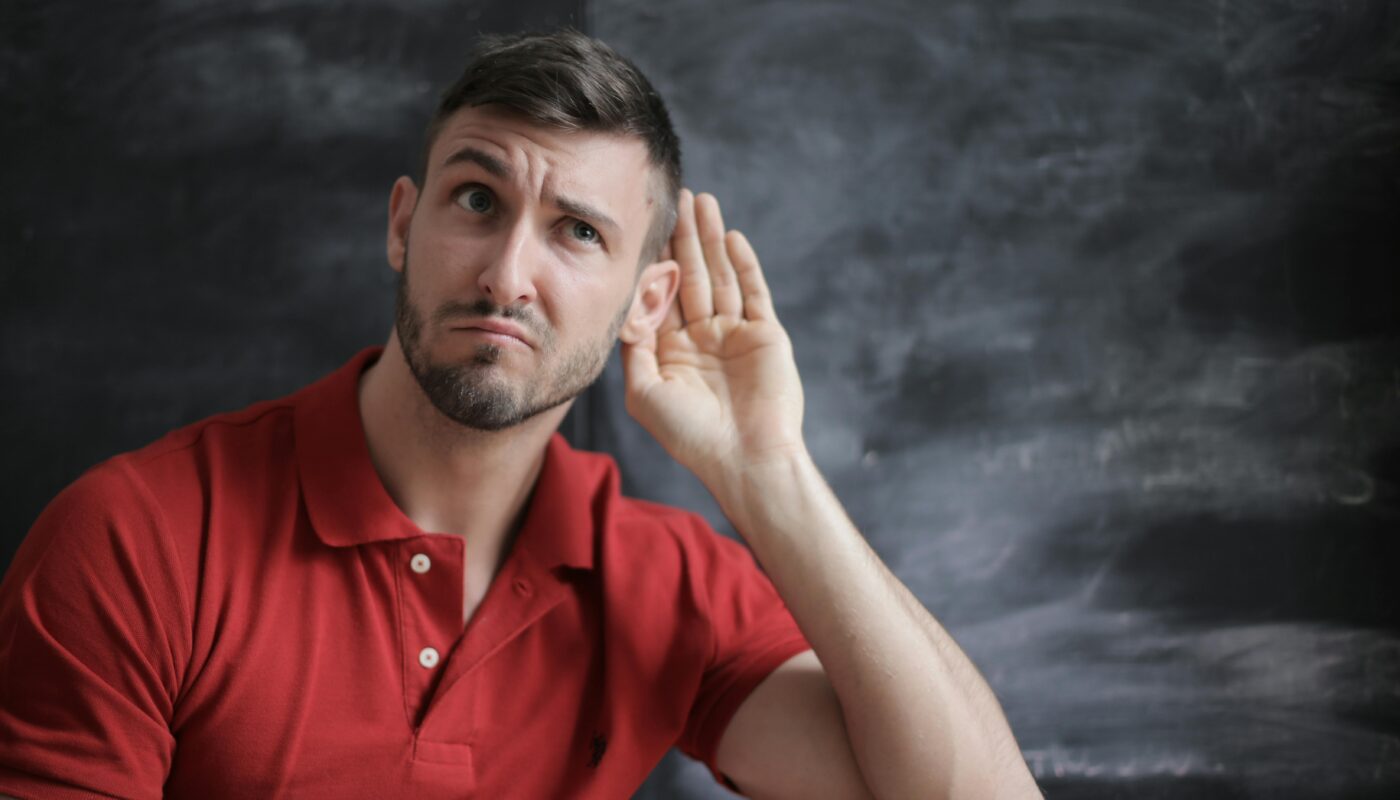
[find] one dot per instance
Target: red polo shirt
(240, 610)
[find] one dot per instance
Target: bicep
(94, 625)
(788, 739)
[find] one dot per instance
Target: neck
(445, 477)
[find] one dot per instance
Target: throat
(483, 566)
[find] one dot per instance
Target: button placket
(519, 596)
(430, 597)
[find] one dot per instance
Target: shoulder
(641, 530)
(664, 552)
(646, 523)
(230, 436)
(652, 528)
(592, 478)
(648, 527)
(152, 502)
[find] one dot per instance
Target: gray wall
(1098, 312)
(1095, 302)
(194, 205)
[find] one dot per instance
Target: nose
(508, 277)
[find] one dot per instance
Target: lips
(498, 328)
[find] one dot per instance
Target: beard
(474, 393)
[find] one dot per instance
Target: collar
(349, 506)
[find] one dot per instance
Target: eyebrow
(588, 213)
(488, 162)
(500, 169)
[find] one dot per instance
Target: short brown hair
(571, 81)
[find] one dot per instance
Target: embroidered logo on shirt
(599, 745)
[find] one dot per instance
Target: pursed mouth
(504, 334)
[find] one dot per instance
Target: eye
(584, 232)
(476, 198)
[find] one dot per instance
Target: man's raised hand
(716, 384)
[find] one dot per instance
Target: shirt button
(421, 563)
(428, 657)
(523, 588)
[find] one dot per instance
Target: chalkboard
(1096, 304)
(195, 203)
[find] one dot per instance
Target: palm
(717, 383)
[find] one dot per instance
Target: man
(400, 581)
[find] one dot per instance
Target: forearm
(921, 720)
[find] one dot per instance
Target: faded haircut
(572, 82)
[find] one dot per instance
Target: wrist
(755, 489)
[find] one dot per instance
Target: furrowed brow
(500, 169)
(588, 213)
(488, 162)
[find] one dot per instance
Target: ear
(403, 198)
(656, 290)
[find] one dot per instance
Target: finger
(758, 301)
(727, 300)
(697, 301)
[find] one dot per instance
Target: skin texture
(457, 421)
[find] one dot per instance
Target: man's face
(524, 245)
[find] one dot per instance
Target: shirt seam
(704, 594)
(163, 529)
(403, 640)
(778, 652)
(141, 458)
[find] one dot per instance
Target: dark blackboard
(194, 206)
(1098, 308)
(1096, 302)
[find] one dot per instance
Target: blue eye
(476, 199)
(585, 232)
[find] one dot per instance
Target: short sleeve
(753, 634)
(89, 610)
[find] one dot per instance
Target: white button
(421, 563)
(428, 657)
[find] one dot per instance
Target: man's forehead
(521, 145)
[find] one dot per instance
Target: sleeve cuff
(25, 786)
(748, 674)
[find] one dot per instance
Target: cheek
(582, 309)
